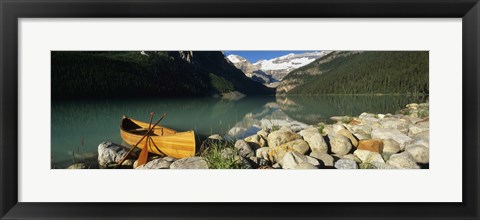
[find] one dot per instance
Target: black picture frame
(12, 10)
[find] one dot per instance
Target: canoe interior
(164, 141)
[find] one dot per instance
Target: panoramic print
(240, 109)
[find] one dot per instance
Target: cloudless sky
(254, 56)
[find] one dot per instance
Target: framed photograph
(227, 109)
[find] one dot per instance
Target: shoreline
(367, 141)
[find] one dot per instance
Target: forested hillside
(387, 72)
(78, 74)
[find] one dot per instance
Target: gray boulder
(346, 164)
(110, 153)
(244, 149)
(419, 153)
(190, 163)
(159, 163)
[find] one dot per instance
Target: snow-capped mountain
(279, 67)
(250, 70)
(271, 71)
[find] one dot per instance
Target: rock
(244, 150)
(340, 145)
(314, 139)
(368, 156)
(263, 153)
(362, 136)
(190, 163)
(424, 135)
(365, 130)
(388, 133)
(77, 166)
(374, 145)
(348, 135)
(403, 161)
(337, 127)
(276, 166)
(159, 163)
(263, 133)
(281, 136)
(216, 137)
(277, 153)
(258, 162)
(415, 129)
(110, 153)
(390, 146)
(324, 157)
(128, 163)
(382, 165)
(420, 142)
(306, 166)
(351, 157)
(346, 164)
(393, 123)
(419, 153)
(292, 159)
(256, 141)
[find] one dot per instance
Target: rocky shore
(368, 141)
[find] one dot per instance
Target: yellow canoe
(165, 141)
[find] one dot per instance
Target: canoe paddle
(143, 157)
(146, 134)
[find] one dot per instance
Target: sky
(254, 56)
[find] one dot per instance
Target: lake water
(79, 126)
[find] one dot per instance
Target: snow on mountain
(279, 67)
(249, 69)
(235, 58)
(274, 70)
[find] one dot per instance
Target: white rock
(110, 153)
(386, 133)
(368, 156)
(403, 161)
(190, 163)
(419, 153)
(262, 153)
(306, 166)
(314, 139)
(292, 159)
(324, 157)
(340, 145)
(159, 163)
(390, 146)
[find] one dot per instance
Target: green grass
(422, 113)
(214, 153)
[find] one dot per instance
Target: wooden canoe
(166, 141)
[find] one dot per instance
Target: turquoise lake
(79, 126)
